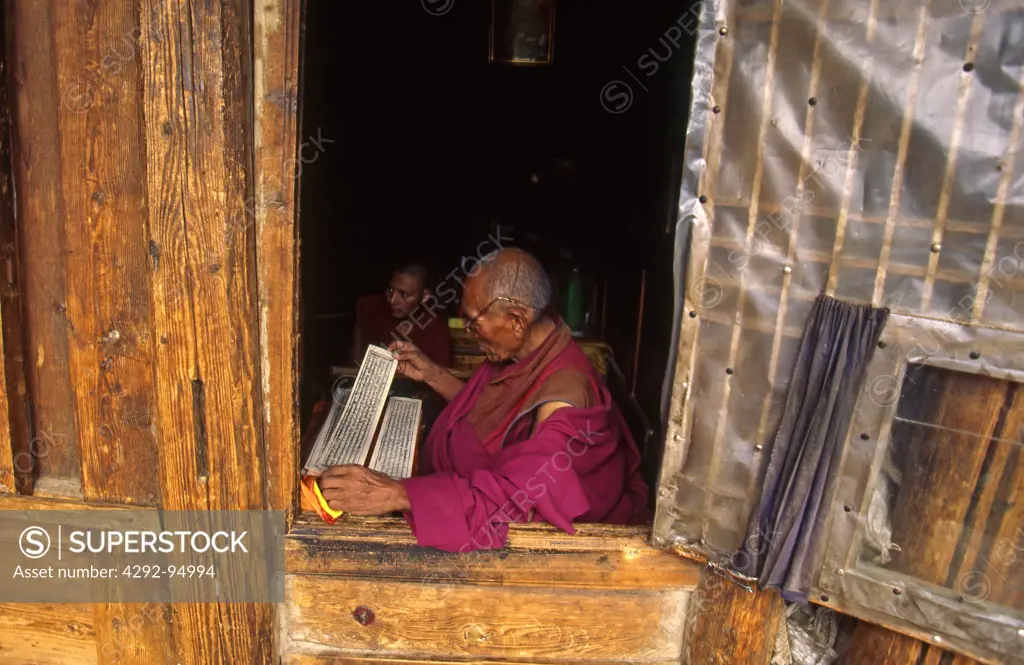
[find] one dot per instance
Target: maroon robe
(580, 465)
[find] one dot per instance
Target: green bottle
(575, 315)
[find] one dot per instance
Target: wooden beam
(47, 634)
(41, 216)
(943, 466)
(728, 624)
(16, 470)
(323, 659)
(7, 478)
(109, 330)
(276, 31)
(16, 502)
(431, 620)
(384, 549)
(873, 644)
(198, 148)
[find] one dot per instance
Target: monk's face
(498, 334)
(403, 293)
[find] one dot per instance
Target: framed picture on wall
(522, 31)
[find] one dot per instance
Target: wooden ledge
(597, 556)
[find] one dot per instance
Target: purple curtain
(785, 539)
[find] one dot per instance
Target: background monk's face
(497, 334)
(403, 293)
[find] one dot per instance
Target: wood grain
(728, 624)
(40, 634)
(322, 659)
(275, 130)
(873, 644)
(137, 634)
(942, 468)
(453, 621)
(110, 340)
(15, 502)
(385, 550)
(7, 481)
(994, 528)
(196, 126)
(41, 216)
(15, 466)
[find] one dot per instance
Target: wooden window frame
(844, 586)
(278, 45)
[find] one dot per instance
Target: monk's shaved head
(513, 273)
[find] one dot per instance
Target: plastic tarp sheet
(867, 150)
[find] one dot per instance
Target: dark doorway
(419, 147)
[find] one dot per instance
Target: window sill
(597, 556)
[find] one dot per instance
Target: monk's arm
(442, 381)
(545, 410)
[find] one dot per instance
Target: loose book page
(396, 442)
(347, 437)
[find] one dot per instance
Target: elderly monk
(534, 434)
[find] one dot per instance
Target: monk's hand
(354, 489)
(412, 363)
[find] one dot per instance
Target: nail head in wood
(364, 615)
(723, 31)
(936, 248)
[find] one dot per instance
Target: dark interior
(418, 147)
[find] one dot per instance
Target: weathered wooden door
(133, 374)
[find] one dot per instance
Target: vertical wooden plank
(732, 625)
(873, 644)
(898, 170)
(41, 214)
(995, 522)
(133, 634)
(943, 466)
(11, 329)
(755, 200)
(988, 264)
(275, 80)
(949, 179)
(851, 157)
(110, 345)
(197, 126)
(804, 172)
(6, 451)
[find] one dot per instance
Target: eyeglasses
(471, 325)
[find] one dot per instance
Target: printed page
(338, 401)
(396, 443)
(348, 439)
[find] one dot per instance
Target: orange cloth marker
(311, 491)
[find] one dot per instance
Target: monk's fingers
(339, 475)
